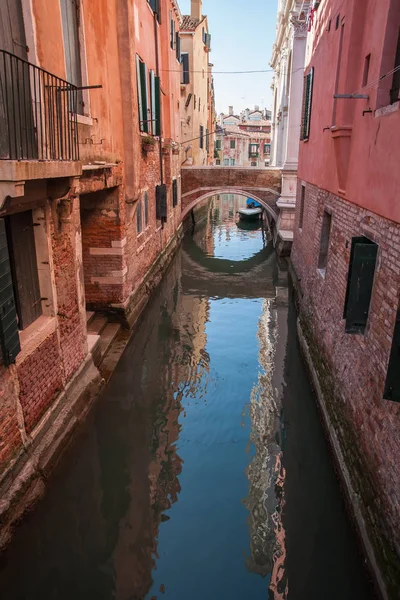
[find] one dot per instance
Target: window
(22, 251)
(72, 50)
(367, 62)
(226, 162)
(253, 163)
(359, 284)
(267, 148)
(395, 90)
(175, 192)
(146, 209)
(207, 140)
(172, 31)
(201, 136)
(337, 21)
(324, 243)
(178, 46)
(302, 199)
(253, 150)
(194, 102)
(218, 162)
(149, 99)
(232, 162)
(233, 144)
(392, 385)
(161, 202)
(185, 75)
(155, 7)
(9, 338)
(218, 144)
(199, 103)
(139, 218)
(307, 104)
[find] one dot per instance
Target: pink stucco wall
(368, 147)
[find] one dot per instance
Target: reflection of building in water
(265, 472)
(178, 342)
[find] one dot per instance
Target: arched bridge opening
(261, 185)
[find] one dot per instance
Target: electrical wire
(377, 81)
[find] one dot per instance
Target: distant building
(243, 141)
(196, 106)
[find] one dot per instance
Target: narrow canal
(202, 472)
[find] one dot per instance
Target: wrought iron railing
(38, 113)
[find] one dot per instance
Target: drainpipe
(158, 75)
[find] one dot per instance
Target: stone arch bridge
(261, 184)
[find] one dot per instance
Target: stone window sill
(34, 335)
(84, 120)
(387, 110)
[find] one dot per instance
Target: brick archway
(200, 183)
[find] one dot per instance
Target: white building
(288, 58)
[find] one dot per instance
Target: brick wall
(10, 438)
(40, 380)
(352, 368)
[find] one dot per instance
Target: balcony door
(70, 22)
(17, 128)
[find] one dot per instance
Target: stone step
(89, 316)
(107, 337)
(94, 347)
(97, 325)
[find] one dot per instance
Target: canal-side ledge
(372, 541)
(24, 481)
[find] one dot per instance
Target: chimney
(196, 9)
(231, 110)
(256, 107)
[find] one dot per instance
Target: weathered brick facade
(352, 367)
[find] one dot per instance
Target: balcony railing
(254, 154)
(38, 113)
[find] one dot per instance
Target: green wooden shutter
(143, 94)
(9, 337)
(185, 68)
(139, 92)
(307, 105)
(360, 283)
(153, 103)
(157, 89)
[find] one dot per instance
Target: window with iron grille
(360, 282)
(307, 105)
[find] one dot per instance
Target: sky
(242, 35)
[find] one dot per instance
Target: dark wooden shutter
(185, 68)
(201, 136)
(392, 385)
(70, 24)
(207, 141)
(395, 90)
(157, 89)
(208, 40)
(307, 105)
(178, 46)
(175, 192)
(360, 282)
(142, 95)
(161, 202)
(9, 337)
(24, 266)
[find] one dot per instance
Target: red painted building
(346, 251)
(89, 206)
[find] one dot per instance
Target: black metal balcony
(38, 113)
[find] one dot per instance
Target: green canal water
(202, 472)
